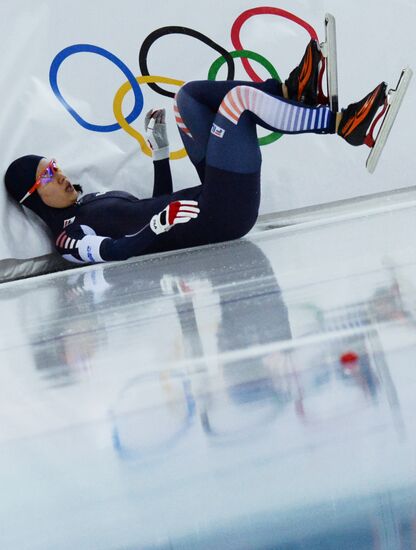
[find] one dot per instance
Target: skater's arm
(75, 246)
(162, 184)
(157, 139)
(96, 248)
(125, 247)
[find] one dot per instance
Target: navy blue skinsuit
(115, 225)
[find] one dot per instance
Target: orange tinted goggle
(45, 177)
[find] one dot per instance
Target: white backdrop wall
(374, 43)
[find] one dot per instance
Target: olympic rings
(151, 39)
(241, 19)
(117, 108)
(76, 48)
(215, 67)
(133, 83)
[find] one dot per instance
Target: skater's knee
(188, 89)
(238, 230)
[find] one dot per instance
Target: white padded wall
(375, 40)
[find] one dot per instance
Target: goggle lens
(47, 176)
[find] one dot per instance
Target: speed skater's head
(36, 182)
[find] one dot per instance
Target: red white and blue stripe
(179, 120)
(283, 115)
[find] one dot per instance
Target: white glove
(175, 212)
(157, 138)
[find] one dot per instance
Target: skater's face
(55, 189)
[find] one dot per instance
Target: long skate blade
(394, 100)
(329, 51)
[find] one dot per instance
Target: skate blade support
(394, 101)
(329, 51)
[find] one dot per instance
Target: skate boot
(357, 117)
(305, 81)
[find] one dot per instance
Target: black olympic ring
(153, 36)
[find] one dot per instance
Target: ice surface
(197, 399)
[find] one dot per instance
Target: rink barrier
(378, 203)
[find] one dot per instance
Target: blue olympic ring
(77, 48)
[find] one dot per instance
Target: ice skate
(393, 103)
(357, 117)
(303, 81)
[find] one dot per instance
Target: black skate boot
(357, 117)
(304, 81)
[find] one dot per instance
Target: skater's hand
(175, 212)
(157, 138)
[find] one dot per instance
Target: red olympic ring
(241, 19)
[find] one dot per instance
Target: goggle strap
(25, 197)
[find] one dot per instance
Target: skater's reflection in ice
(230, 385)
(232, 368)
(241, 399)
(230, 308)
(225, 379)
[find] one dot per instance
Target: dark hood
(19, 178)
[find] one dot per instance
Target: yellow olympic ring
(118, 113)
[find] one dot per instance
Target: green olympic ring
(218, 63)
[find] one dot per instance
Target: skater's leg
(230, 194)
(244, 107)
(232, 144)
(211, 92)
(231, 190)
(197, 102)
(228, 200)
(230, 197)
(196, 106)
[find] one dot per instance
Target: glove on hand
(175, 212)
(157, 138)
